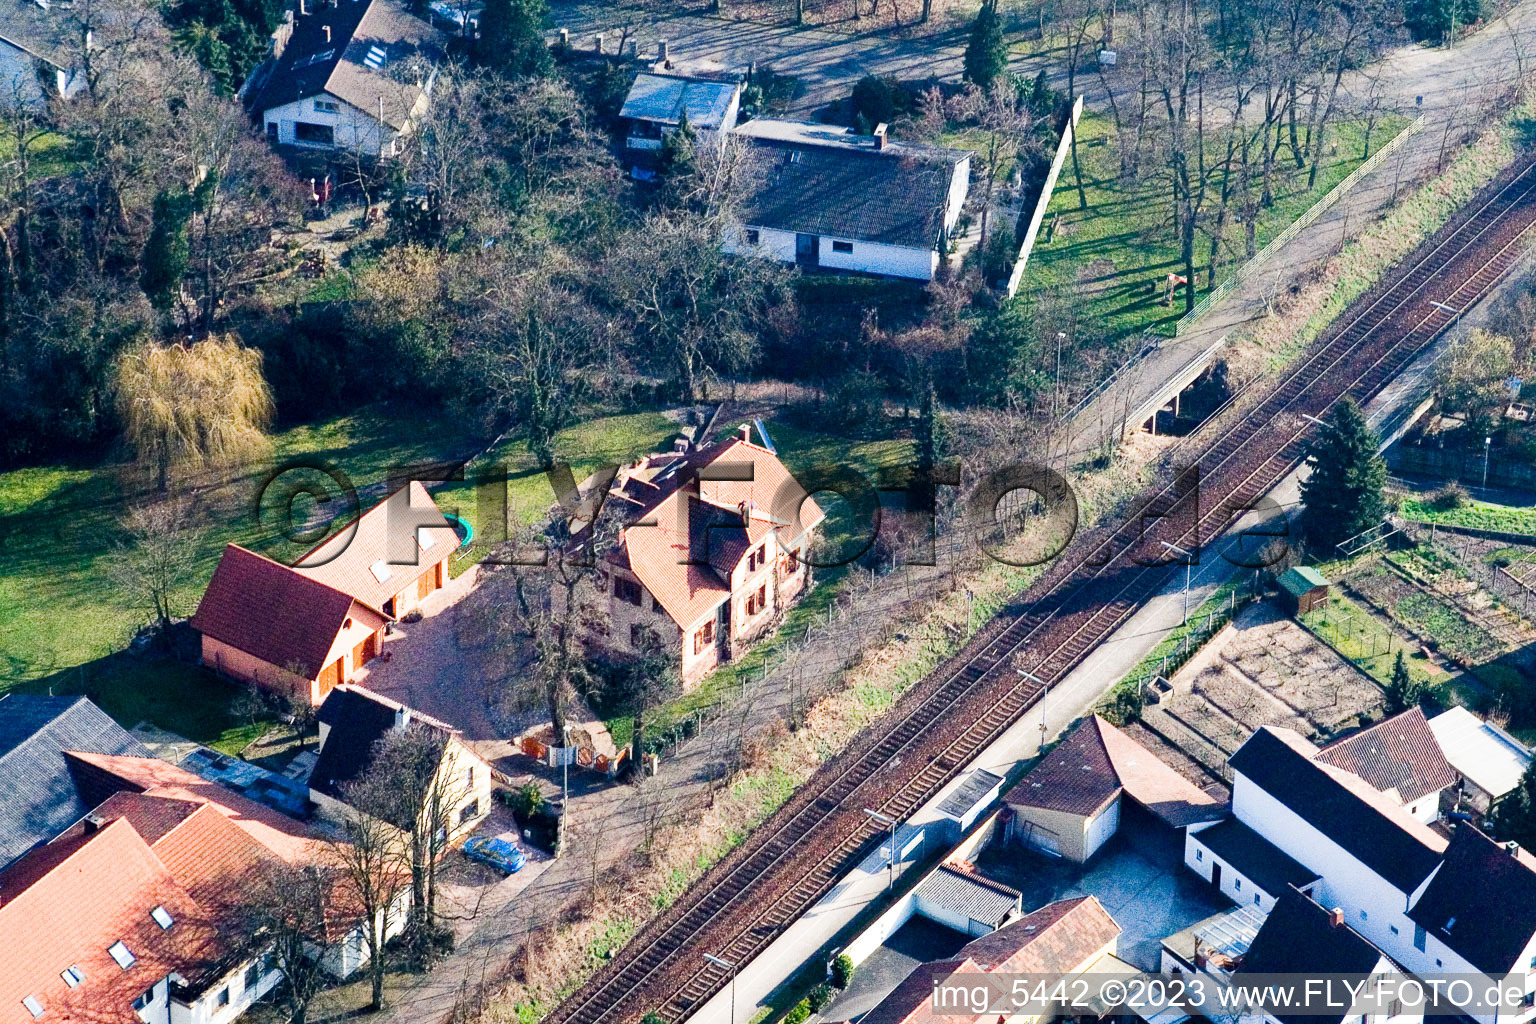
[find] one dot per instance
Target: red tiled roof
(66, 903)
(1095, 764)
(289, 839)
(216, 849)
(707, 527)
(1058, 938)
(274, 613)
(1396, 754)
(392, 532)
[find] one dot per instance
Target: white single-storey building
(1489, 760)
(355, 75)
(828, 197)
(40, 46)
(659, 100)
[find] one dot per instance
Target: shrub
(798, 1013)
(857, 400)
(876, 99)
(820, 997)
(1449, 498)
(652, 1017)
(527, 802)
(842, 971)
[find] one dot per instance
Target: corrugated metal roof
(968, 896)
(664, 97)
(1490, 758)
(976, 788)
(1301, 579)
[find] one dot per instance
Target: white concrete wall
(355, 130)
(206, 1009)
(771, 244)
(1101, 827)
(1235, 885)
(1372, 906)
(1426, 808)
(959, 188)
(876, 258)
(866, 257)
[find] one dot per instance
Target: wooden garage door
(330, 678)
(428, 582)
(365, 652)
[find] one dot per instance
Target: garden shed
(1304, 588)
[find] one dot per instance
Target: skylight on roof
(72, 975)
(381, 570)
(315, 58)
(375, 57)
(424, 538)
(34, 1007)
(162, 917)
(122, 954)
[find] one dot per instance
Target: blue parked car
(501, 854)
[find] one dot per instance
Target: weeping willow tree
(186, 407)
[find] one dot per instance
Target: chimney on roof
(598, 44)
(92, 823)
(744, 433)
(880, 130)
(303, 7)
(661, 51)
(1512, 848)
(1336, 917)
(402, 717)
(327, 34)
(680, 446)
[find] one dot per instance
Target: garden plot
(1266, 670)
(1451, 614)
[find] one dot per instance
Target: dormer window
(34, 1006)
(122, 954)
(162, 917)
(72, 975)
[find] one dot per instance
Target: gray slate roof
(1390, 843)
(830, 183)
(53, 34)
(663, 98)
(360, 63)
(41, 799)
(1269, 867)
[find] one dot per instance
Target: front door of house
(807, 250)
(723, 632)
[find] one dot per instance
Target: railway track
(793, 859)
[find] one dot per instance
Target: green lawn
(1360, 637)
(65, 624)
(1482, 515)
(1121, 247)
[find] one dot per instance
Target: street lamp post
(1045, 691)
(1189, 560)
(1487, 447)
(732, 968)
(890, 863)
